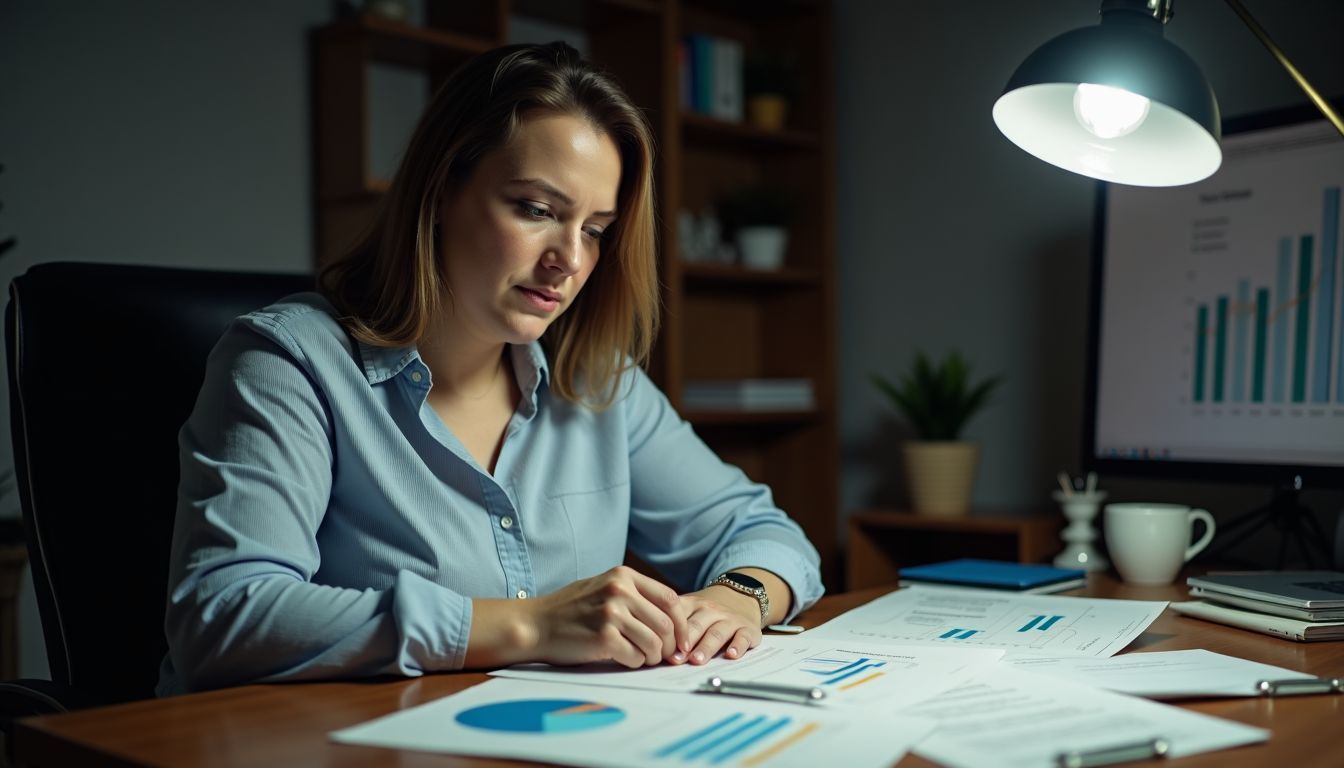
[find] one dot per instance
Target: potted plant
(758, 216)
(938, 400)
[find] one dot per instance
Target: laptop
(1307, 590)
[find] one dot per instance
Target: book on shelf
(1003, 576)
(750, 394)
(710, 73)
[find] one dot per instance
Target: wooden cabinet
(881, 542)
(721, 321)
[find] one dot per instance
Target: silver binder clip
(1120, 753)
(1300, 686)
(794, 694)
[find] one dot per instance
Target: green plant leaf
(938, 399)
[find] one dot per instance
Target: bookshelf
(720, 321)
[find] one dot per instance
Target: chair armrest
(25, 698)
(22, 698)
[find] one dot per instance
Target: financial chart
(1221, 322)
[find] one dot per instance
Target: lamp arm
(1277, 53)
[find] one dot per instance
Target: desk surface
(287, 724)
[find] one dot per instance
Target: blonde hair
(391, 283)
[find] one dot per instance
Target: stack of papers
(961, 677)
(1299, 605)
(580, 725)
(863, 673)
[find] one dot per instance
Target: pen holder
(1080, 509)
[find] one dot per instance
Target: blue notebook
(996, 574)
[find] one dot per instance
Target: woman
(440, 462)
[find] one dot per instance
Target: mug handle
(1198, 546)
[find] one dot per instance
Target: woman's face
(520, 237)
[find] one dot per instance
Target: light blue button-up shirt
(330, 525)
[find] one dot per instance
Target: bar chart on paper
(1018, 629)
(755, 740)
(1223, 309)
(1033, 624)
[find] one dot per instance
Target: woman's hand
(621, 616)
(720, 619)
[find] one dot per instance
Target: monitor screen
(1217, 308)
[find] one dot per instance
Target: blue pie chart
(541, 716)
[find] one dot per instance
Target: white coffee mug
(1150, 542)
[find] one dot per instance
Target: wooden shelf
(577, 13)
(754, 10)
(734, 277)
(704, 131)
(726, 418)
(407, 45)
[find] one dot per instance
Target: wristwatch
(747, 585)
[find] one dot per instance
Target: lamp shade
(1175, 138)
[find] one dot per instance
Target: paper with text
(860, 672)
(1013, 719)
(1163, 674)
(967, 618)
(601, 727)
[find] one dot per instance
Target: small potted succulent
(937, 400)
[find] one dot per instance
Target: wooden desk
(287, 724)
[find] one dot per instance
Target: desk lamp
(1120, 103)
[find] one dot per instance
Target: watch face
(744, 580)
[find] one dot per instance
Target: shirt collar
(529, 364)
(383, 363)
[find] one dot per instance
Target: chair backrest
(105, 362)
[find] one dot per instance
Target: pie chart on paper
(541, 716)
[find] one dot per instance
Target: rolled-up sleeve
(694, 516)
(257, 461)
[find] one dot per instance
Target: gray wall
(951, 237)
(154, 132)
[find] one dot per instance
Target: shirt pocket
(599, 522)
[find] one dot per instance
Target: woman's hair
(389, 286)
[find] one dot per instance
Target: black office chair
(105, 362)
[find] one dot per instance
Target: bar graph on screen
(1280, 330)
(1220, 314)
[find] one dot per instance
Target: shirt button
(506, 522)
(416, 376)
(522, 594)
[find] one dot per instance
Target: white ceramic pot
(762, 247)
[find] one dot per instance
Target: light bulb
(1107, 112)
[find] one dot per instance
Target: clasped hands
(628, 618)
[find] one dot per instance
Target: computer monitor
(1217, 328)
